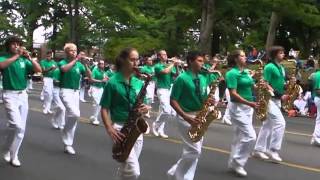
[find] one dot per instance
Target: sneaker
(41, 98)
(55, 126)
(163, 135)
(148, 130)
(50, 112)
(7, 157)
(314, 142)
(82, 100)
(45, 111)
(274, 157)
(69, 150)
(15, 162)
(260, 155)
(155, 130)
(95, 122)
(240, 171)
(226, 121)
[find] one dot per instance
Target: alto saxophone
(293, 89)
(263, 94)
(135, 126)
(206, 115)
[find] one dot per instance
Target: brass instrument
(133, 128)
(263, 94)
(207, 114)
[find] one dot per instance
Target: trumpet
(23, 51)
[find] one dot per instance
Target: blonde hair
(69, 46)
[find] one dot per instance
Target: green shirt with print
(274, 74)
(71, 78)
(119, 96)
(15, 75)
(190, 91)
(98, 74)
(46, 64)
(241, 81)
(163, 80)
(149, 70)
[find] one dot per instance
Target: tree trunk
(206, 26)
(274, 21)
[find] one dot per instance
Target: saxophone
(263, 94)
(133, 128)
(293, 90)
(206, 115)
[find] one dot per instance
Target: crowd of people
(114, 89)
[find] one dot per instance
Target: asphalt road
(43, 158)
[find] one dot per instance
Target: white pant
(47, 92)
(82, 92)
(227, 112)
(166, 112)
(16, 104)
(130, 169)
(150, 92)
(70, 99)
(316, 133)
(244, 134)
(58, 119)
(96, 94)
(29, 83)
(273, 126)
(185, 167)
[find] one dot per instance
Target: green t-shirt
(241, 81)
(15, 75)
(71, 79)
(275, 75)
(148, 70)
(190, 91)
(163, 80)
(119, 97)
(98, 75)
(46, 64)
(316, 84)
(110, 73)
(207, 65)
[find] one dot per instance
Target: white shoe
(55, 126)
(163, 135)
(95, 122)
(45, 111)
(148, 130)
(69, 150)
(260, 155)
(240, 171)
(7, 157)
(41, 98)
(15, 162)
(274, 156)
(226, 121)
(155, 130)
(314, 142)
(82, 100)
(50, 112)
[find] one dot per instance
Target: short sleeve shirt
(15, 75)
(241, 81)
(274, 74)
(119, 96)
(163, 80)
(316, 83)
(71, 79)
(45, 64)
(98, 74)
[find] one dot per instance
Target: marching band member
(191, 84)
(48, 65)
(163, 73)
(149, 69)
(240, 83)
(98, 78)
(15, 65)
(315, 140)
(118, 97)
(71, 72)
(58, 118)
(274, 126)
(82, 56)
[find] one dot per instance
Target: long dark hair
(231, 59)
(123, 57)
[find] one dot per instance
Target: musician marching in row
(271, 133)
(118, 99)
(242, 105)
(15, 65)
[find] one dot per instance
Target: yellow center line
(219, 150)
